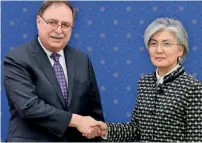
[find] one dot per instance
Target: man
(51, 87)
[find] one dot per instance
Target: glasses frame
(55, 27)
(161, 44)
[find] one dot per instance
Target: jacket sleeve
(123, 132)
(95, 104)
(22, 95)
(194, 114)
(95, 100)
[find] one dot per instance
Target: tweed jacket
(171, 111)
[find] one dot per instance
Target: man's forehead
(59, 12)
(56, 6)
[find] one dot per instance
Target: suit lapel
(70, 71)
(42, 59)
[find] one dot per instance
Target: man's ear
(38, 20)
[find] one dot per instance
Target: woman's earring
(179, 60)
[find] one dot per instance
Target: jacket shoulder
(190, 79)
(146, 77)
(20, 51)
(77, 52)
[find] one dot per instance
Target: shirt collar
(48, 52)
(160, 79)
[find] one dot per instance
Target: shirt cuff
(106, 135)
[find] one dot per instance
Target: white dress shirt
(61, 59)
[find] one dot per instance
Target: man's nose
(58, 28)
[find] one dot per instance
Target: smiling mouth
(159, 58)
(56, 37)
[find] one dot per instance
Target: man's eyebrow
(52, 19)
(66, 22)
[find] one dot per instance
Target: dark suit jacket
(38, 110)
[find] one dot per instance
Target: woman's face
(164, 50)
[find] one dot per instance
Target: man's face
(54, 37)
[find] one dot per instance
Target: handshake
(89, 127)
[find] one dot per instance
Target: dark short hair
(47, 3)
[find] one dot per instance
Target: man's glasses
(54, 24)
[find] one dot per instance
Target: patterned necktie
(60, 75)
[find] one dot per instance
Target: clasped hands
(90, 128)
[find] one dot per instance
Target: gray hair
(172, 25)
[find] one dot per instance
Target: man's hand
(86, 125)
(95, 133)
(103, 127)
(99, 130)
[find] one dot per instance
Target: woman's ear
(181, 51)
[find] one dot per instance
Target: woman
(169, 101)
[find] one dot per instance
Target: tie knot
(55, 56)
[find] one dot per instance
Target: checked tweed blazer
(171, 111)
